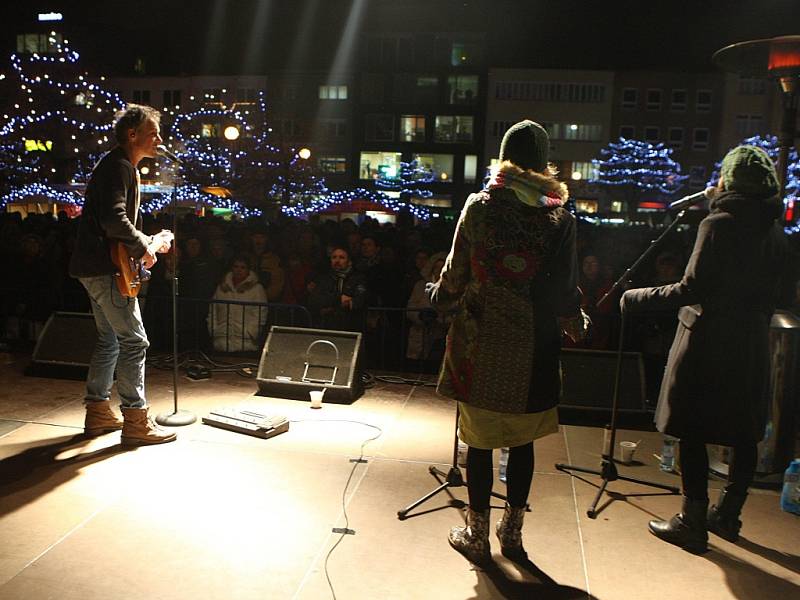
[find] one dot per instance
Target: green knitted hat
(526, 144)
(749, 170)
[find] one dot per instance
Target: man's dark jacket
(110, 214)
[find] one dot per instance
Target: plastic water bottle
(790, 497)
(668, 454)
(462, 453)
(503, 463)
(607, 441)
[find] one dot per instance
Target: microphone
(166, 153)
(707, 194)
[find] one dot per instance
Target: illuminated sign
(50, 16)
(38, 145)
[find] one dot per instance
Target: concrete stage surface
(221, 515)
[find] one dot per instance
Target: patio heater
(777, 58)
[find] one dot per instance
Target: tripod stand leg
(592, 511)
(661, 486)
(401, 514)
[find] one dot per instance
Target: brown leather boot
(100, 418)
(139, 429)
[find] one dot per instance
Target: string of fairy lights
(639, 164)
(409, 182)
(193, 194)
(86, 113)
(345, 197)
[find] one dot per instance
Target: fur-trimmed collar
(530, 187)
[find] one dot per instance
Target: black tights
(694, 469)
(519, 475)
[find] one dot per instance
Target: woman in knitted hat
(511, 280)
(715, 383)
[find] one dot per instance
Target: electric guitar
(131, 273)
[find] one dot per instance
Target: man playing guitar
(111, 216)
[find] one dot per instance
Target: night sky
(251, 36)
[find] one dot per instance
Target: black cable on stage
(346, 529)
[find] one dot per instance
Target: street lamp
(304, 154)
(779, 59)
(231, 133)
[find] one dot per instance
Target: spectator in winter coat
(233, 327)
(428, 327)
(337, 298)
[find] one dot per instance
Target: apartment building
(679, 109)
(574, 106)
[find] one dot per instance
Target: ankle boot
(687, 529)
(100, 418)
(509, 532)
(139, 429)
(473, 540)
(723, 517)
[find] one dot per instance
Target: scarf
(531, 188)
(340, 277)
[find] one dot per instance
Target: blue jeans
(121, 344)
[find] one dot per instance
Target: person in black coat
(337, 298)
(715, 383)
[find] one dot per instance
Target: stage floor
(221, 515)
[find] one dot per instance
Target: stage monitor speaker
(588, 377)
(296, 360)
(65, 346)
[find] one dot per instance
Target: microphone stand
(608, 470)
(177, 417)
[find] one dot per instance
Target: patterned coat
(511, 273)
(716, 377)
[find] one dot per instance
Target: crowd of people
(337, 270)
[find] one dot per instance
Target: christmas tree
(56, 122)
(229, 148)
(639, 170)
(410, 182)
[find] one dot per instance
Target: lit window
(584, 170)
(332, 164)
(440, 164)
(453, 128)
(470, 168)
(376, 164)
(462, 89)
(412, 128)
(333, 92)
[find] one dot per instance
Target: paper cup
(316, 398)
(627, 449)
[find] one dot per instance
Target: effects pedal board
(247, 421)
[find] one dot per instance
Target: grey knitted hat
(526, 144)
(749, 170)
